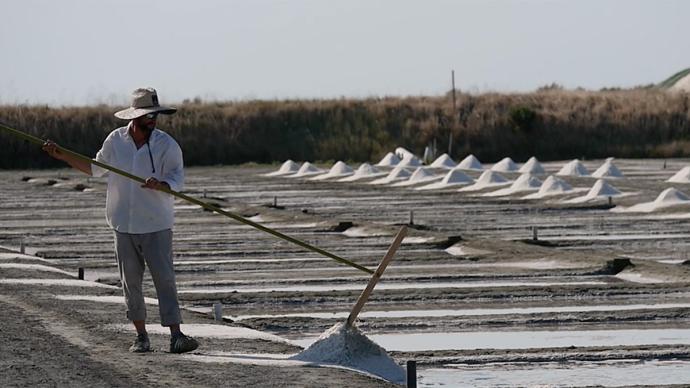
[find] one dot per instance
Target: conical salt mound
(389, 160)
(340, 169)
(553, 184)
(608, 170)
(671, 196)
(305, 170)
(346, 346)
(454, 177)
(398, 173)
(487, 179)
(668, 198)
(420, 175)
(532, 166)
(444, 161)
(505, 165)
(573, 168)
(490, 177)
(470, 163)
(682, 176)
(364, 171)
(288, 167)
(602, 189)
(525, 182)
(410, 160)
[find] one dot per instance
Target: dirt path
(47, 342)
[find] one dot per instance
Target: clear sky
(84, 52)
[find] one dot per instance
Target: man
(142, 215)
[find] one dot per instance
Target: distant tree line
(550, 124)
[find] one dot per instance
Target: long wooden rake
(193, 200)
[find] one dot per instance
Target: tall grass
(550, 124)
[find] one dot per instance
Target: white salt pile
(453, 178)
(551, 186)
(470, 163)
(573, 168)
(340, 169)
(346, 346)
(364, 171)
(636, 277)
(682, 176)
(532, 166)
(487, 179)
(505, 165)
(525, 182)
(460, 249)
(668, 198)
(307, 169)
(444, 161)
(397, 174)
(410, 160)
(403, 152)
(419, 176)
(600, 190)
(288, 167)
(389, 160)
(608, 170)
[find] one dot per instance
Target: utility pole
(452, 77)
(450, 129)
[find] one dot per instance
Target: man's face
(146, 122)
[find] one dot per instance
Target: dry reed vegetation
(550, 124)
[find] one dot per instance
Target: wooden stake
(218, 311)
(411, 374)
(364, 297)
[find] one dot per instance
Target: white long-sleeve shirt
(131, 208)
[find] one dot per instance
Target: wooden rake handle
(193, 200)
(364, 296)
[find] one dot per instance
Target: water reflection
(608, 374)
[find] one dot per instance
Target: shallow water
(608, 374)
(382, 286)
(616, 237)
(470, 312)
(524, 339)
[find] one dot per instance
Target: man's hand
(53, 150)
(155, 184)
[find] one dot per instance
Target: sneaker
(141, 344)
(180, 343)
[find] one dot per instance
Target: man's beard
(147, 129)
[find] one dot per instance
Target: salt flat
(548, 283)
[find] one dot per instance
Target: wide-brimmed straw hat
(144, 101)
